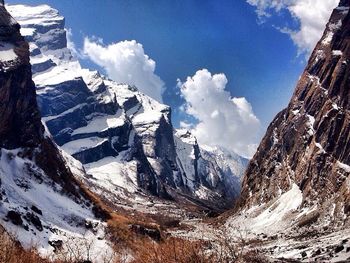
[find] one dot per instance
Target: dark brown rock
(56, 244)
(34, 220)
(15, 217)
(153, 233)
(36, 210)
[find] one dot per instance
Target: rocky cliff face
(306, 150)
(39, 195)
(20, 123)
(124, 139)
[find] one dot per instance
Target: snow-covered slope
(41, 202)
(124, 138)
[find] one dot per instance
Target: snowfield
(26, 190)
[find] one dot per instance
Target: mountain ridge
(99, 121)
(298, 180)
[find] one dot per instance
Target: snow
(62, 218)
(202, 192)
(101, 123)
(335, 106)
(113, 172)
(328, 38)
(34, 15)
(147, 117)
(337, 53)
(82, 144)
(27, 31)
(343, 166)
(271, 219)
(55, 75)
(310, 124)
(295, 112)
(332, 28)
(319, 146)
(186, 136)
(151, 111)
(92, 79)
(275, 139)
(7, 52)
(52, 117)
(38, 59)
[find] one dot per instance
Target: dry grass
(12, 252)
(141, 237)
(177, 250)
(143, 249)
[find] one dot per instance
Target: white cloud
(126, 62)
(312, 15)
(71, 45)
(222, 120)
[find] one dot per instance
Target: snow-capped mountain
(300, 175)
(41, 201)
(124, 138)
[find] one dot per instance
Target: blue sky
(182, 37)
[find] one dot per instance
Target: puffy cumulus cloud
(312, 16)
(126, 62)
(222, 120)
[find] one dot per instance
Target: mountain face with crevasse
(305, 154)
(41, 200)
(124, 139)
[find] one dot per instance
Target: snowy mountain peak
(124, 138)
(43, 27)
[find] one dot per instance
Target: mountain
(41, 201)
(295, 197)
(124, 139)
(300, 174)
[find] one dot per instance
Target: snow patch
(62, 218)
(273, 218)
(319, 146)
(295, 112)
(343, 166)
(111, 173)
(337, 53)
(101, 123)
(335, 106)
(58, 74)
(7, 52)
(310, 124)
(82, 144)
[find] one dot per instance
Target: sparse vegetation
(141, 248)
(12, 252)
